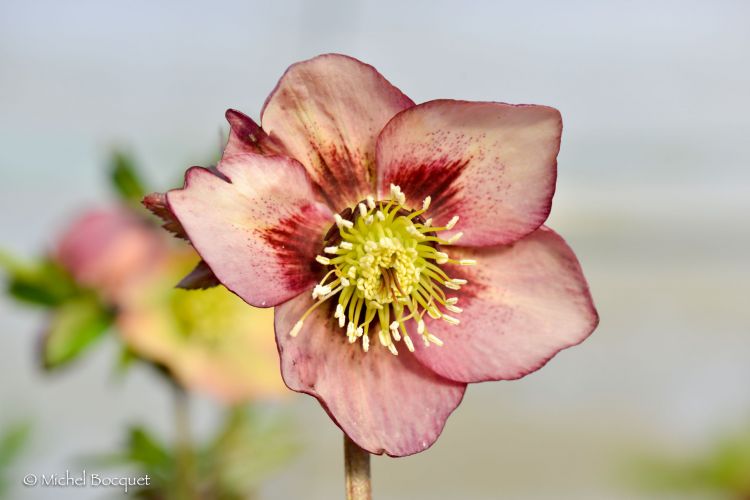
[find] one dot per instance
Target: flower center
(205, 316)
(384, 267)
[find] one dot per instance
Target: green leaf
(125, 360)
(723, 468)
(12, 443)
(728, 467)
(246, 449)
(146, 454)
(251, 446)
(150, 456)
(75, 325)
(145, 449)
(125, 178)
(78, 316)
(42, 282)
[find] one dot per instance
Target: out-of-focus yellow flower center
(385, 270)
(205, 315)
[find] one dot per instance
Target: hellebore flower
(109, 249)
(402, 245)
(209, 340)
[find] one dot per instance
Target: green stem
(185, 466)
(357, 469)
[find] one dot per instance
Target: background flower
(209, 339)
(115, 265)
(110, 249)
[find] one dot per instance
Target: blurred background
(653, 195)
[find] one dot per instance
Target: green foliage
(125, 360)
(42, 283)
(250, 447)
(75, 325)
(148, 454)
(12, 442)
(78, 317)
(125, 178)
(723, 469)
(245, 451)
(146, 450)
(729, 465)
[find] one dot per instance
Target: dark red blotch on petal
(335, 166)
(296, 254)
(436, 179)
(472, 288)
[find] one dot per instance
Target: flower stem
(357, 468)
(184, 457)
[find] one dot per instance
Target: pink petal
(492, 164)
(259, 229)
(246, 136)
(384, 403)
(109, 249)
(524, 303)
(202, 276)
(327, 112)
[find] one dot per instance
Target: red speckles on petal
(437, 179)
(292, 252)
(230, 221)
(523, 304)
(327, 112)
(334, 166)
(492, 164)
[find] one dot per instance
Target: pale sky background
(653, 194)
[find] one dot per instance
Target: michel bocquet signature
(83, 479)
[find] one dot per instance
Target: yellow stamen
(385, 271)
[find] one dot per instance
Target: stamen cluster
(384, 269)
